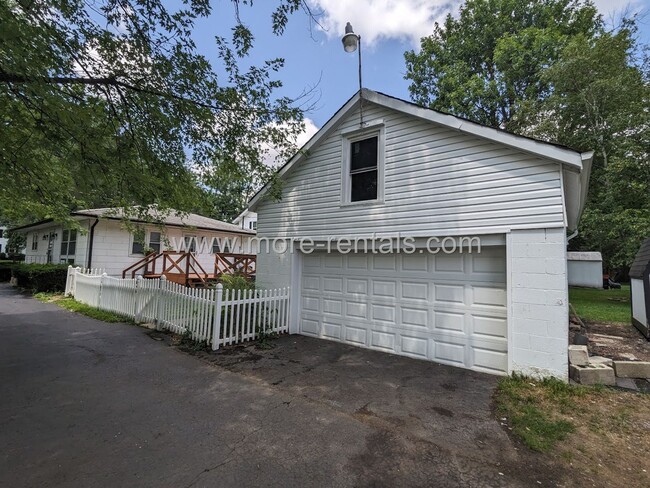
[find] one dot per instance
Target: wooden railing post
(216, 322)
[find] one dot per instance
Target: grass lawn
(599, 434)
(598, 305)
(71, 304)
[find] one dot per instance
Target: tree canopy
(552, 70)
(484, 63)
(108, 103)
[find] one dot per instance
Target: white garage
(449, 308)
(383, 167)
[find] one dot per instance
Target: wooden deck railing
(231, 263)
(180, 267)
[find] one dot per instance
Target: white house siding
(40, 255)
(3, 239)
(638, 301)
(437, 182)
(538, 290)
(113, 244)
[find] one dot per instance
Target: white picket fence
(209, 315)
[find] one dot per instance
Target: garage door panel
(383, 340)
(489, 326)
(383, 313)
(417, 317)
(357, 286)
(331, 330)
(449, 309)
(333, 306)
(384, 288)
(414, 346)
(356, 335)
(492, 296)
(356, 310)
(448, 321)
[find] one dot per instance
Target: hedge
(5, 270)
(41, 277)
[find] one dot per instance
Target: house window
(154, 241)
(190, 243)
(363, 169)
(253, 225)
(137, 247)
(69, 243)
(35, 242)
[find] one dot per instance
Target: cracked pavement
(85, 403)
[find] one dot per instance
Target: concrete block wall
(538, 320)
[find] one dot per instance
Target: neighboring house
(106, 242)
(640, 289)
(415, 172)
(585, 269)
(247, 220)
(3, 239)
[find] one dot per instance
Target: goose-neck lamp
(351, 43)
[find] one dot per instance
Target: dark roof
(642, 260)
(172, 218)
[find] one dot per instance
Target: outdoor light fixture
(350, 39)
(352, 42)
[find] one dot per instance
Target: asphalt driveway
(84, 403)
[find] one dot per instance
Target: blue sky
(316, 58)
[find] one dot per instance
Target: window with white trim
(69, 243)
(362, 168)
(155, 239)
(34, 241)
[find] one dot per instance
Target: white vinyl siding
(437, 181)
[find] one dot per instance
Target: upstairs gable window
(363, 169)
(362, 164)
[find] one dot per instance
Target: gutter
(91, 238)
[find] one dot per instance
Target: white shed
(383, 172)
(640, 289)
(585, 269)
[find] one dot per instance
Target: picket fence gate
(213, 315)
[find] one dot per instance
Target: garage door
(449, 308)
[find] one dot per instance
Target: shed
(585, 269)
(640, 289)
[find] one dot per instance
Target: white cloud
(272, 156)
(304, 136)
(375, 20)
(410, 20)
(612, 9)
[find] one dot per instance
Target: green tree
(109, 103)
(485, 63)
(600, 101)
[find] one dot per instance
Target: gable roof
(173, 219)
(642, 261)
(576, 162)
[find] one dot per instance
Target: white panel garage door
(449, 308)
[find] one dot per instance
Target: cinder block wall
(539, 302)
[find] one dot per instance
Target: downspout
(575, 233)
(91, 238)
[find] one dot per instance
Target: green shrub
(41, 277)
(5, 271)
(236, 282)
